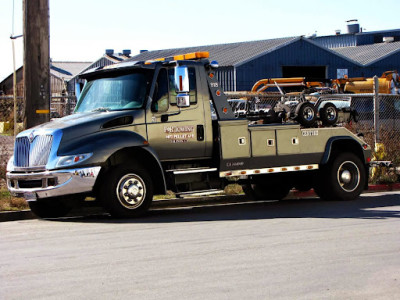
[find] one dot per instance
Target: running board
(191, 171)
(200, 193)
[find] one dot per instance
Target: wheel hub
(131, 191)
(331, 113)
(348, 176)
(308, 114)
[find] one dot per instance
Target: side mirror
(181, 79)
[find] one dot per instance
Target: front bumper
(52, 183)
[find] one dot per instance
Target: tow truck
(144, 127)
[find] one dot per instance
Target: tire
(126, 191)
(49, 208)
(306, 114)
(328, 114)
(342, 179)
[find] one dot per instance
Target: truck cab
(142, 128)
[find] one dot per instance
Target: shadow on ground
(370, 206)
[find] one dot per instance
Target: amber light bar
(186, 56)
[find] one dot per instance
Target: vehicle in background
(389, 83)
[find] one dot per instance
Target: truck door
(176, 133)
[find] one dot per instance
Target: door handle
(200, 132)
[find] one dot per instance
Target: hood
(81, 124)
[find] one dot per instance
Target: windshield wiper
(101, 109)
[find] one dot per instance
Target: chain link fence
(60, 106)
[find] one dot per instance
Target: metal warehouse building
(356, 54)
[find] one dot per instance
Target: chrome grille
(33, 154)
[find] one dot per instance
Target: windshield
(113, 93)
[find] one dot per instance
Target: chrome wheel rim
(308, 114)
(331, 113)
(131, 191)
(348, 176)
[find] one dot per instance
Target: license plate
(30, 196)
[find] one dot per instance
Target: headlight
(70, 160)
(10, 164)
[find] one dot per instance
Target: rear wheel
(127, 191)
(49, 208)
(343, 179)
(306, 114)
(328, 114)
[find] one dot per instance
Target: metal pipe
(376, 109)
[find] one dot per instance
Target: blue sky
(80, 30)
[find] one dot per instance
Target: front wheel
(343, 179)
(127, 191)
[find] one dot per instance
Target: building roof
(105, 60)
(226, 54)
(67, 70)
(369, 54)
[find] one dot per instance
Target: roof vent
(126, 52)
(109, 51)
(388, 39)
(337, 31)
(353, 26)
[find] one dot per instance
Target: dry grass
(10, 203)
(233, 189)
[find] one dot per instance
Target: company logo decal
(179, 134)
(31, 137)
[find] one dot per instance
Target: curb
(16, 215)
(28, 215)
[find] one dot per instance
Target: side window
(192, 86)
(161, 95)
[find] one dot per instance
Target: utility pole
(36, 62)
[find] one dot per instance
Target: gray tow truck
(142, 128)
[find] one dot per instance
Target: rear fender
(340, 144)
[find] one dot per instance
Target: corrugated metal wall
(392, 62)
(226, 78)
(349, 40)
(300, 53)
(336, 41)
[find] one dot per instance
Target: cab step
(199, 193)
(191, 170)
